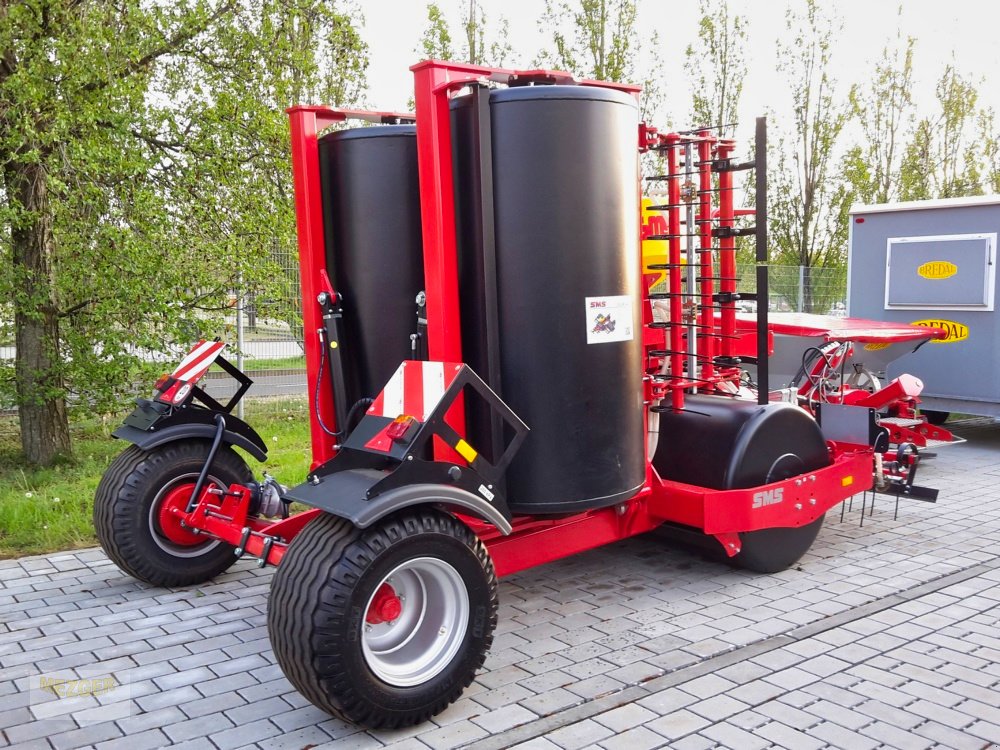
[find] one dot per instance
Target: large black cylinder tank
(723, 443)
(565, 183)
(371, 212)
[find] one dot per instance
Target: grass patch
(280, 363)
(45, 510)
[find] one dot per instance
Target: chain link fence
(268, 332)
(798, 288)
(267, 337)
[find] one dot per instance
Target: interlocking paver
(678, 724)
(572, 635)
(730, 736)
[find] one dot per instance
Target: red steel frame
(306, 122)
(534, 540)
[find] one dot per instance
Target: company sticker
(876, 346)
(956, 331)
(937, 269)
(609, 319)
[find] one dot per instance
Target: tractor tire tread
(312, 586)
(123, 484)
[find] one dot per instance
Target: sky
(963, 30)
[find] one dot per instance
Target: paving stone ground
(886, 635)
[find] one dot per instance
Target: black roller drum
(371, 213)
(724, 443)
(566, 219)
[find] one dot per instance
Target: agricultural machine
(820, 359)
(489, 387)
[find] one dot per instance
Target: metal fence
(267, 336)
(268, 333)
(800, 288)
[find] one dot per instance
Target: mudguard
(186, 424)
(345, 494)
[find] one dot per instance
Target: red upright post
(437, 211)
(706, 317)
(305, 125)
(727, 253)
(674, 277)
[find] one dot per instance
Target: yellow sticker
(956, 331)
(876, 347)
(937, 269)
(466, 451)
(847, 481)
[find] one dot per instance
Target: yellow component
(955, 331)
(333, 344)
(847, 481)
(937, 269)
(466, 451)
(876, 346)
(654, 251)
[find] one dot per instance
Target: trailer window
(941, 272)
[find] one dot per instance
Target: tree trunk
(40, 395)
(807, 289)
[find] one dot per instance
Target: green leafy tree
(806, 197)
(942, 160)
(483, 47)
(600, 39)
(436, 41)
(883, 109)
(716, 66)
(483, 44)
(990, 139)
(144, 177)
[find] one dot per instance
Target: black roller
(371, 212)
(565, 178)
(723, 443)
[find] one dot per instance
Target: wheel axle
(385, 606)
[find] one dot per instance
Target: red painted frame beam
(306, 122)
(720, 513)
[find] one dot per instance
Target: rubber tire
(936, 418)
(317, 607)
(776, 549)
(124, 499)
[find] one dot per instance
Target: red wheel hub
(170, 523)
(385, 606)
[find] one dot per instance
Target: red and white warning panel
(415, 390)
(175, 387)
(198, 360)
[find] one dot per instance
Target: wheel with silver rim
(415, 622)
(134, 518)
(384, 626)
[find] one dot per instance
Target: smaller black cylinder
(371, 215)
